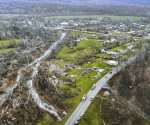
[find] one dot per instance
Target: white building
(112, 62)
(106, 93)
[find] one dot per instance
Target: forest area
(46, 8)
(130, 89)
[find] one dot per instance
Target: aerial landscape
(74, 62)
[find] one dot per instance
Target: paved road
(83, 106)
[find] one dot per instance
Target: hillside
(69, 62)
(72, 7)
(131, 90)
(138, 2)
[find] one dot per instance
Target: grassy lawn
(133, 18)
(9, 42)
(101, 55)
(46, 120)
(90, 43)
(94, 111)
(93, 114)
(6, 50)
(73, 17)
(65, 54)
(97, 63)
(137, 46)
(123, 46)
(85, 80)
(118, 48)
(8, 45)
(83, 48)
(87, 34)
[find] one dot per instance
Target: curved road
(83, 106)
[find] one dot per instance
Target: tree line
(21, 7)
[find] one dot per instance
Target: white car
(81, 114)
(84, 97)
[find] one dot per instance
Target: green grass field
(8, 45)
(9, 42)
(6, 50)
(93, 114)
(133, 18)
(83, 48)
